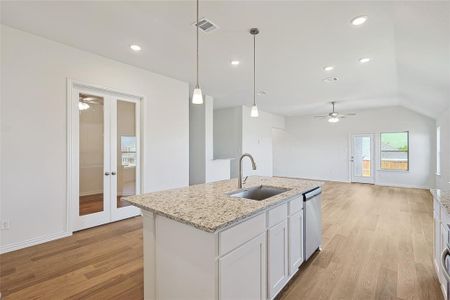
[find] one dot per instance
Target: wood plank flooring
(90, 204)
(377, 244)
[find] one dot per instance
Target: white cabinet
(251, 260)
(443, 244)
(441, 219)
(295, 229)
(277, 258)
(242, 272)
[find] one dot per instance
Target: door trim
(372, 157)
(72, 172)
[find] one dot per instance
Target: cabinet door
(295, 242)
(444, 237)
(437, 244)
(277, 258)
(242, 272)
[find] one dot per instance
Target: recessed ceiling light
(364, 60)
(235, 62)
(135, 48)
(357, 21)
(330, 79)
(328, 68)
(261, 93)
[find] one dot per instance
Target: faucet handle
(245, 179)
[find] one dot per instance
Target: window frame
(407, 156)
(438, 150)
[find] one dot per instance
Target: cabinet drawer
(277, 214)
(241, 233)
(295, 205)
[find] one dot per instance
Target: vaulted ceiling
(409, 43)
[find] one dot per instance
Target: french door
(362, 158)
(106, 139)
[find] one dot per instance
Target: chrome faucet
(240, 167)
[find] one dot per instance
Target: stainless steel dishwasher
(312, 222)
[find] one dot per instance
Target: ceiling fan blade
(320, 117)
(350, 114)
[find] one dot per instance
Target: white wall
(33, 151)
(235, 133)
(313, 148)
(202, 165)
(257, 140)
(443, 180)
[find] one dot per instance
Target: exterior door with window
(362, 158)
(105, 162)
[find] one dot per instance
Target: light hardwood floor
(377, 244)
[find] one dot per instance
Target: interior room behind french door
(107, 140)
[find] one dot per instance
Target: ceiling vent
(205, 25)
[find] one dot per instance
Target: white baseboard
(33, 241)
(404, 186)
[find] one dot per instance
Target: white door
(362, 158)
(295, 242)
(105, 160)
(242, 273)
(125, 160)
(277, 258)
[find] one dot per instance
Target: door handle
(106, 173)
(113, 173)
(444, 255)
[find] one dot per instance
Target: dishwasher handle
(444, 255)
(312, 193)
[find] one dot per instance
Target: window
(438, 151)
(128, 149)
(395, 151)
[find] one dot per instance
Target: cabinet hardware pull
(444, 255)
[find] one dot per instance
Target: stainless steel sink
(258, 192)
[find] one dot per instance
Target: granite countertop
(443, 197)
(209, 208)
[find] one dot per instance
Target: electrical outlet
(4, 225)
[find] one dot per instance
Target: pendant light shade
(254, 112)
(197, 97)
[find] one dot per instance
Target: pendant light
(254, 112)
(197, 97)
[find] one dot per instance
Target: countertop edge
(226, 225)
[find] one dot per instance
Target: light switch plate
(4, 225)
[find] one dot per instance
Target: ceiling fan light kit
(334, 117)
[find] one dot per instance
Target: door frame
(72, 173)
(372, 157)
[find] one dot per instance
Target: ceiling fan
(334, 117)
(86, 101)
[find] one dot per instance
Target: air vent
(206, 25)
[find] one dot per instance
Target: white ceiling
(408, 41)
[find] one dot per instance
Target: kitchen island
(441, 216)
(207, 242)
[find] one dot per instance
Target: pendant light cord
(254, 69)
(197, 41)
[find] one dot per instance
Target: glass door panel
(91, 147)
(126, 150)
(93, 188)
(125, 156)
(362, 158)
